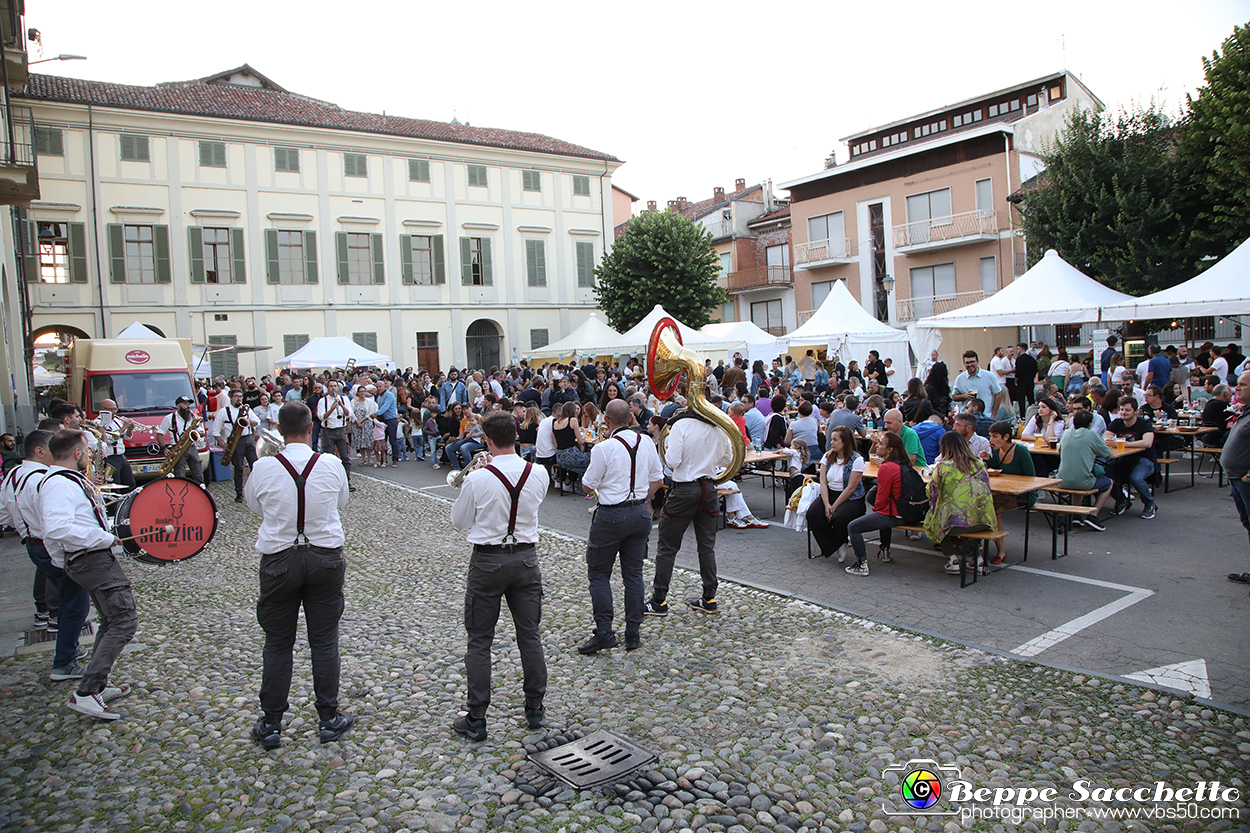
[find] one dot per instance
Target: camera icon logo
(923, 783)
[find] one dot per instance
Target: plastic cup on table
(1119, 443)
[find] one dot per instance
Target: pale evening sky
(690, 95)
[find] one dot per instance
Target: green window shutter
(310, 257)
(289, 343)
(585, 264)
(355, 164)
(134, 148)
(30, 250)
(48, 142)
(531, 181)
(128, 146)
(535, 263)
(340, 245)
(195, 236)
(219, 154)
(466, 263)
(239, 255)
(405, 259)
(117, 253)
(160, 239)
(77, 253)
(418, 170)
(272, 272)
(581, 186)
(212, 154)
(440, 272)
(206, 154)
(379, 266)
(477, 175)
(286, 159)
(487, 272)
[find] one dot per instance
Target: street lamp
(887, 283)
(58, 58)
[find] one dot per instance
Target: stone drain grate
(595, 760)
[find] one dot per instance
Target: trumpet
(269, 443)
(455, 479)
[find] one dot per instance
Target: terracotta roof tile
(695, 210)
(233, 101)
(779, 214)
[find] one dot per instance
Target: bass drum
(175, 501)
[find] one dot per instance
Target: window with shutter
(140, 255)
(357, 256)
(539, 338)
(475, 261)
(477, 175)
(212, 154)
(286, 159)
(134, 148)
(418, 170)
(531, 181)
(288, 257)
(581, 186)
(217, 262)
(419, 268)
(585, 264)
(369, 341)
(48, 141)
(223, 363)
(355, 164)
(291, 343)
(535, 263)
(53, 249)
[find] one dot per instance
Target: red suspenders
(300, 481)
(515, 493)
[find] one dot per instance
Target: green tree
(662, 258)
(1215, 146)
(1115, 203)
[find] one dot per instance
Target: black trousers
(311, 577)
(334, 440)
(245, 451)
(692, 501)
(831, 533)
(122, 474)
(190, 462)
(623, 531)
(494, 576)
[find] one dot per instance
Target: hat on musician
(182, 399)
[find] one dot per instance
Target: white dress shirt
(271, 493)
(695, 449)
(223, 427)
(175, 426)
(484, 504)
(109, 422)
(20, 509)
(545, 443)
(70, 522)
(341, 414)
(609, 468)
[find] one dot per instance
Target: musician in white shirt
(300, 542)
(335, 412)
(694, 450)
(77, 537)
(503, 527)
(175, 424)
(109, 421)
(245, 451)
(625, 483)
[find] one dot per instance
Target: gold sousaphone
(667, 358)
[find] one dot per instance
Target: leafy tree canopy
(662, 258)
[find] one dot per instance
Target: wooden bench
(1166, 464)
(1214, 453)
(1062, 515)
(767, 475)
(721, 494)
(974, 546)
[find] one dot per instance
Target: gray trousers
(493, 576)
(99, 574)
(686, 502)
(244, 452)
(624, 530)
(334, 440)
(190, 462)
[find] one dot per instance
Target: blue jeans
(1241, 497)
(392, 437)
(75, 605)
(1136, 474)
(461, 452)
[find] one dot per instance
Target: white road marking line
(1081, 579)
(1052, 638)
(1188, 676)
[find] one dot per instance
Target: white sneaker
(91, 705)
(437, 466)
(114, 692)
(737, 524)
(952, 565)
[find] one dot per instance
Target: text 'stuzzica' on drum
(175, 501)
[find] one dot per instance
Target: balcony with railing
(721, 229)
(817, 253)
(946, 232)
(19, 176)
(912, 309)
(765, 277)
(13, 36)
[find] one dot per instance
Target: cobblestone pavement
(774, 715)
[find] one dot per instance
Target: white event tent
(634, 341)
(331, 351)
(1052, 292)
(758, 343)
(1223, 289)
(843, 327)
(582, 341)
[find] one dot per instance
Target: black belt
(696, 480)
(492, 548)
(38, 542)
(638, 502)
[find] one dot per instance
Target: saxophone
(174, 453)
(98, 470)
(227, 453)
(667, 357)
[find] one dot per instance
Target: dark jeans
(244, 452)
(316, 433)
(47, 594)
(334, 440)
(392, 437)
(689, 501)
(868, 523)
(831, 534)
(515, 576)
(312, 577)
(122, 473)
(75, 605)
(1024, 395)
(1241, 497)
(624, 530)
(1134, 470)
(100, 575)
(190, 462)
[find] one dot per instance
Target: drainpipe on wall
(1010, 220)
(95, 222)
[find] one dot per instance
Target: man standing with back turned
(499, 506)
(298, 495)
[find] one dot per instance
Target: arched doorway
(482, 341)
(49, 361)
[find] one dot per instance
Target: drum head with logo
(171, 501)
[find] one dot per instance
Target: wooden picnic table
(1054, 452)
(1001, 484)
(1191, 434)
(755, 458)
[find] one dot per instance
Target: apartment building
(232, 211)
(917, 221)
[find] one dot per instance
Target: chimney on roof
(740, 184)
(681, 203)
(718, 194)
(831, 161)
(672, 205)
(651, 205)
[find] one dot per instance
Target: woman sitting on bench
(959, 499)
(1010, 457)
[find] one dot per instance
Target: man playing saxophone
(115, 455)
(177, 424)
(235, 428)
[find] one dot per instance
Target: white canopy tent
(1052, 292)
(331, 351)
(592, 332)
(46, 378)
(202, 369)
(845, 328)
(1223, 289)
(758, 344)
(634, 341)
